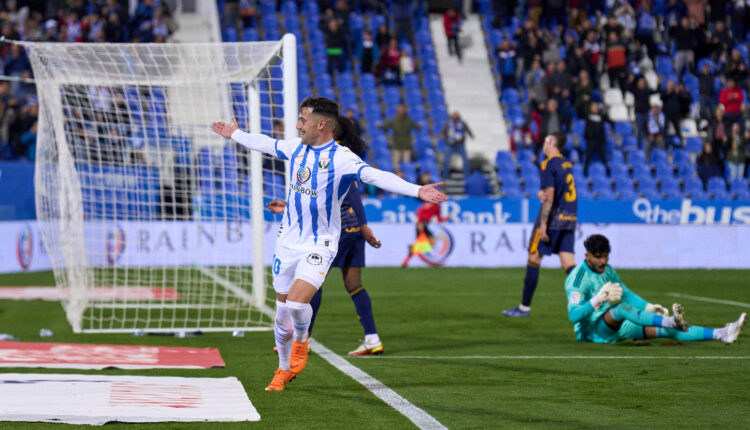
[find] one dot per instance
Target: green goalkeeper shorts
(628, 331)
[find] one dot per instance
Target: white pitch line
(554, 357)
(420, 418)
(710, 300)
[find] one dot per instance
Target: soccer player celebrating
(555, 224)
(321, 172)
(604, 310)
(351, 253)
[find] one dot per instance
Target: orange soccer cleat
(298, 360)
(280, 378)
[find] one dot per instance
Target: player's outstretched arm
(257, 142)
(390, 182)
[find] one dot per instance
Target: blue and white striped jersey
(319, 180)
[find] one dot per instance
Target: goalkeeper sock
(624, 311)
(693, 333)
(315, 304)
(363, 305)
(282, 331)
(301, 316)
(529, 283)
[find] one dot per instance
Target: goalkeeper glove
(611, 292)
(657, 309)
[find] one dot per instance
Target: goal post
(153, 222)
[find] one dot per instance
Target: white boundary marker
(557, 357)
(420, 418)
(710, 300)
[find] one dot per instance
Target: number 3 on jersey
(570, 195)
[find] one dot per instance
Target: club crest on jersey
(315, 259)
(324, 162)
(303, 174)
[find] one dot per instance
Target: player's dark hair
(597, 244)
(321, 106)
(346, 135)
(560, 139)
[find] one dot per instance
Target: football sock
(315, 304)
(301, 316)
(624, 311)
(529, 284)
(693, 333)
(282, 331)
(363, 305)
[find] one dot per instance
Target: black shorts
(351, 251)
(559, 241)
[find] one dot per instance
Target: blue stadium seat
(664, 170)
(641, 171)
(623, 128)
(619, 172)
(603, 188)
(671, 189)
(504, 160)
(659, 155)
(624, 187)
(524, 155)
(410, 171)
(528, 169)
(647, 188)
(512, 187)
(718, 187)
(739, 187)
(686, 171)
(579, 127)
(476, 185)
(582, 189)
(636, 157)
(597, 169)
(629, 143)
(694, 144)
(694, 187)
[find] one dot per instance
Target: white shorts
(310, 265)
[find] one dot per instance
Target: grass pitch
(450, 352)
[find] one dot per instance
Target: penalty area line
(554, 357)
(710, 300)
(420, 418)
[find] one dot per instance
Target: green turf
(456, 312)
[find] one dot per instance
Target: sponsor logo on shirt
(303, 190)
(575, 298)
(303, 174)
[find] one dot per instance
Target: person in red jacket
(732, 99)
(452, 24)
(424, 241)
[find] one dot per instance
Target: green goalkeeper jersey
(581, 285)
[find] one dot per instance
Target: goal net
(151, 221)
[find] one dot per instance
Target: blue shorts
(559, 241)
(351, 251)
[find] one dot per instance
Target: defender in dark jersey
(554, 228)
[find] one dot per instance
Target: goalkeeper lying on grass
(604, 310)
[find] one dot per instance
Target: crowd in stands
(658, 74)
(61, 21)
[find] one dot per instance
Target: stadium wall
(131, 243)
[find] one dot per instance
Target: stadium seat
(476, 185)
(597, 169)
(671, 189)
(694, 144)
(694, 188)
(718, 188)
(625, 189)
(647, 188)
(663, 170)
(739, 188)
(613, 96)
(619, 172)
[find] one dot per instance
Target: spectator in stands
(592, 51)
(720, 40)
(746, 149)
(367, 52)
(454, 132)
(613, 26)
(642, 105)
(656, 128)
(646, 25)
(708, 164)
(388, 68)
(615, 61)
(355, 122)
(160, 26)
(685, 37)
(383, 37)
(706, 91)
(403, 11)
(28, 142)
(575, 61)
(16, 61)
(738, 18)
(536, 8)
(551, 50)
(560, 80)
(670, 99)
(536, 82)
(335, 46)
(452, 26)
(718, 129)
(401, 141)
(529, 47)
(249, 13)
(552, 120)
(502, 11)
(424, 178)
(232, 16)
(685, 100)
(582, 94)
(625, 16)
(595, 136)
(737, 69)
(732, 99)
(406, 64)
(507, 54)
(673, 13)
(736, 155)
